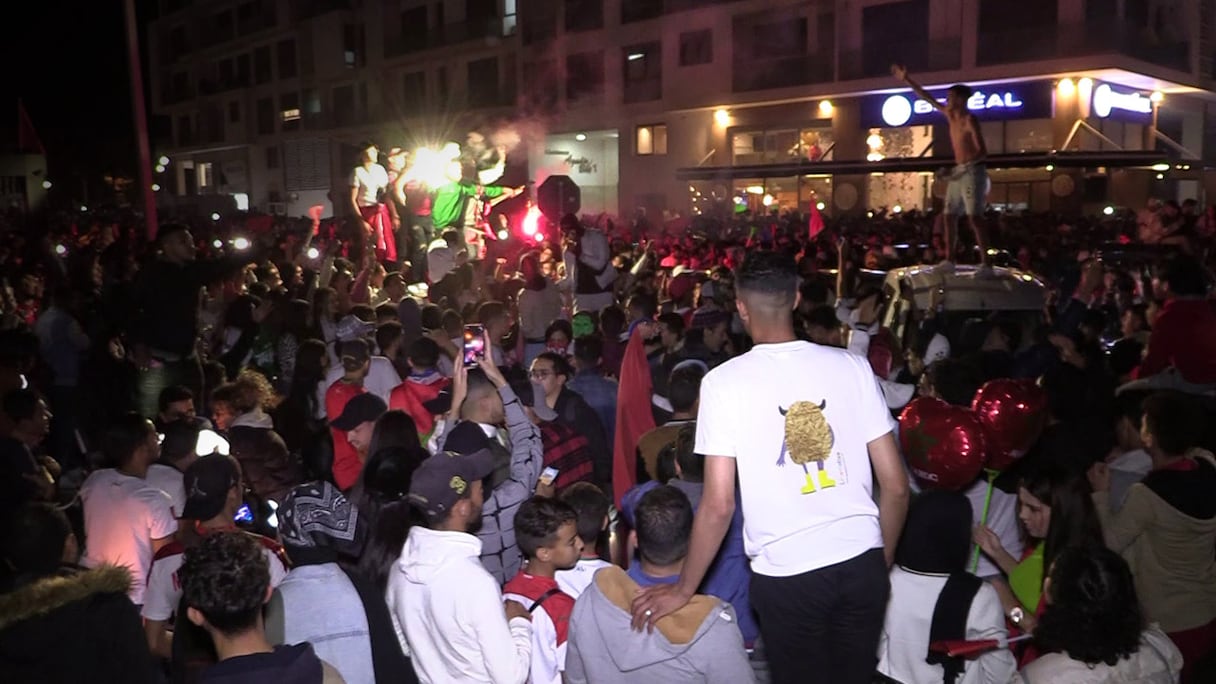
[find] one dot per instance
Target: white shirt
(381, 379)
(1002, 519)
(576, 580)
(170, 481)
(791, 523)
(122, 515)
(905, 634)
(164, 591)
(440, 260)
(370, 182)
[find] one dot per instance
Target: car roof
(1004, 289)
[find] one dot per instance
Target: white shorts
(967, 191)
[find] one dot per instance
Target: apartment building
(695, 105)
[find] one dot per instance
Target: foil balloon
(943, 445)
(1014, 412)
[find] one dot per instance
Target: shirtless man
(967, 191)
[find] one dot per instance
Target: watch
(1016, 615)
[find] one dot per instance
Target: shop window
(781, 145)
(1031, 135)
(651, 140)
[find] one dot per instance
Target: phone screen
(244, 514)
(474, 344)
(548, 475)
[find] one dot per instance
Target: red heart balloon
(944, 445)
(1014, 412)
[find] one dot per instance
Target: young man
(494, 317)
(447, 609)
(381, 375)
(355, 362)
(701, 644)
(368, 183)
(565, 449)
(225, 581)
(819, 545)
(126, 520)
(966, 194)
(683, 391)
(176, 402)
(358, 422)
(179, 442)
(547, 533)
(418, 394)
(591, 505)
(216, 494)
(551, 372)
(24, 477)
(590, 384)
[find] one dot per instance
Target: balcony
(784, 72)
(450, 34)
(1080, 40)
(918, 56)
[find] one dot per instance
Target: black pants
(824, 625)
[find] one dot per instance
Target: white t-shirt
(170, 481)
(370, 182)
(164, 590)
(576, 580)
(122, 515)
(381, 380)
(809, 504)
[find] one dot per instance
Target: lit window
(205, 178)
(652, 139)
(291, 114)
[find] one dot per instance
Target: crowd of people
(611, 453)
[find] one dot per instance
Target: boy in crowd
(418, 394)
(591, 506)
(547, 533)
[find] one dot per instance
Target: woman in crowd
(1092, 629)
(240, 412)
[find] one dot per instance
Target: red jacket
(346, 459)
(1184, 336)
(410, 396)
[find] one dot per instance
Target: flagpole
(141, 119)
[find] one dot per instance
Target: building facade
(692, 106)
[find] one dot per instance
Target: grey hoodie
(698, 643)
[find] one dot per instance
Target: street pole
(141, 119)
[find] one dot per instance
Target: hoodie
(698, 643)
(448, 613)
(295, 664)
(106, 642)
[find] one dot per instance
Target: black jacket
(75, 626)
(166, 301)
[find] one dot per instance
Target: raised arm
(901, 72)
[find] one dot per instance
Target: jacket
(295, 664)
(266, 465)
(75, 626)
(1169, 550)
(1157, 662)
(448, 613)
(165, 305)
(698, 643)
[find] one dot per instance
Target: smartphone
(474, 345)
(548, 476)
(244, 514)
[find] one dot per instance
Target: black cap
(362, 408)
(466, 438)
(207, 482)
(442, 479)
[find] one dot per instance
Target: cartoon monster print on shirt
(808, 437)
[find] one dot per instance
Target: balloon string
(975, 556)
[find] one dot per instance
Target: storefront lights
(825, 108)
(1067, 87)
(721, 117)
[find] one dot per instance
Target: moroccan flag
(816, 222)
(633, 416)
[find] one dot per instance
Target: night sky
(69, 63)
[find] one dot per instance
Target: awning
(914, 164)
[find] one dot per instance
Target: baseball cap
(444, 478)
(207, 482)
(362, 408)
(532, 396)
(466, 438)
(351, 327)
(355, 353)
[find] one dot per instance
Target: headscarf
(318, 524)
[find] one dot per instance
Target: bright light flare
(581, 137)
(160, 168)
(721, 117)
(46, 185)
(61, 249)
(825, 108)
(215, 216)
(313, 252)
(767, 200)
(156, 187)
(1156, 97)
(217, 243)
(1108, 210)
(531, 222)
(163, 161)
(1067, 86)
(241, 243)
(503, 234)
(430, 166)
(820, 206)
(897, 209)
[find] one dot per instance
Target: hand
(544, 489)
(1099, 477)
(899, 71)
(987, 540)
(367, 227)
(516, 609)
(460, 384)
(493, 374)
(653, 603)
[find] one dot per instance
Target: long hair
(1074, 522)
(1092, 614)
(394, 429)
(249, 391)
(529, 268)
(380, 495)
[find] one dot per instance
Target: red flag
(633, 416)
(27, 136)
(816, 223)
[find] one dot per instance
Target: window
(353, 54)
(206, 178)
(311, 109)
(584, 75)
(413, 93)
(287, 59)
(272, 157)
(227, 71)
(509, 20)
(242, 70)
(265, 107)
(344, 105)
(896, 32)
(651, 139)
(289, 111)
(640, 10)
(696, 47)
(584, 15)
(483, 82)
(643, 72)
(779, 39)
(234, 112)
(262, 72)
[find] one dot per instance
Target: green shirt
(1026, 580)
(449, 203)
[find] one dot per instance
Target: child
(591, 505)
(419, 394)
(547, 533)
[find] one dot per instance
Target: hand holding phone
(548, 476)
(474, 349)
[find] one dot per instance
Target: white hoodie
(448, 613)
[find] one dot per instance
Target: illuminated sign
(1006, 101)
(1131, 105)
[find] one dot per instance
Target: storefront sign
(1006, 101)
(1125, 105)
